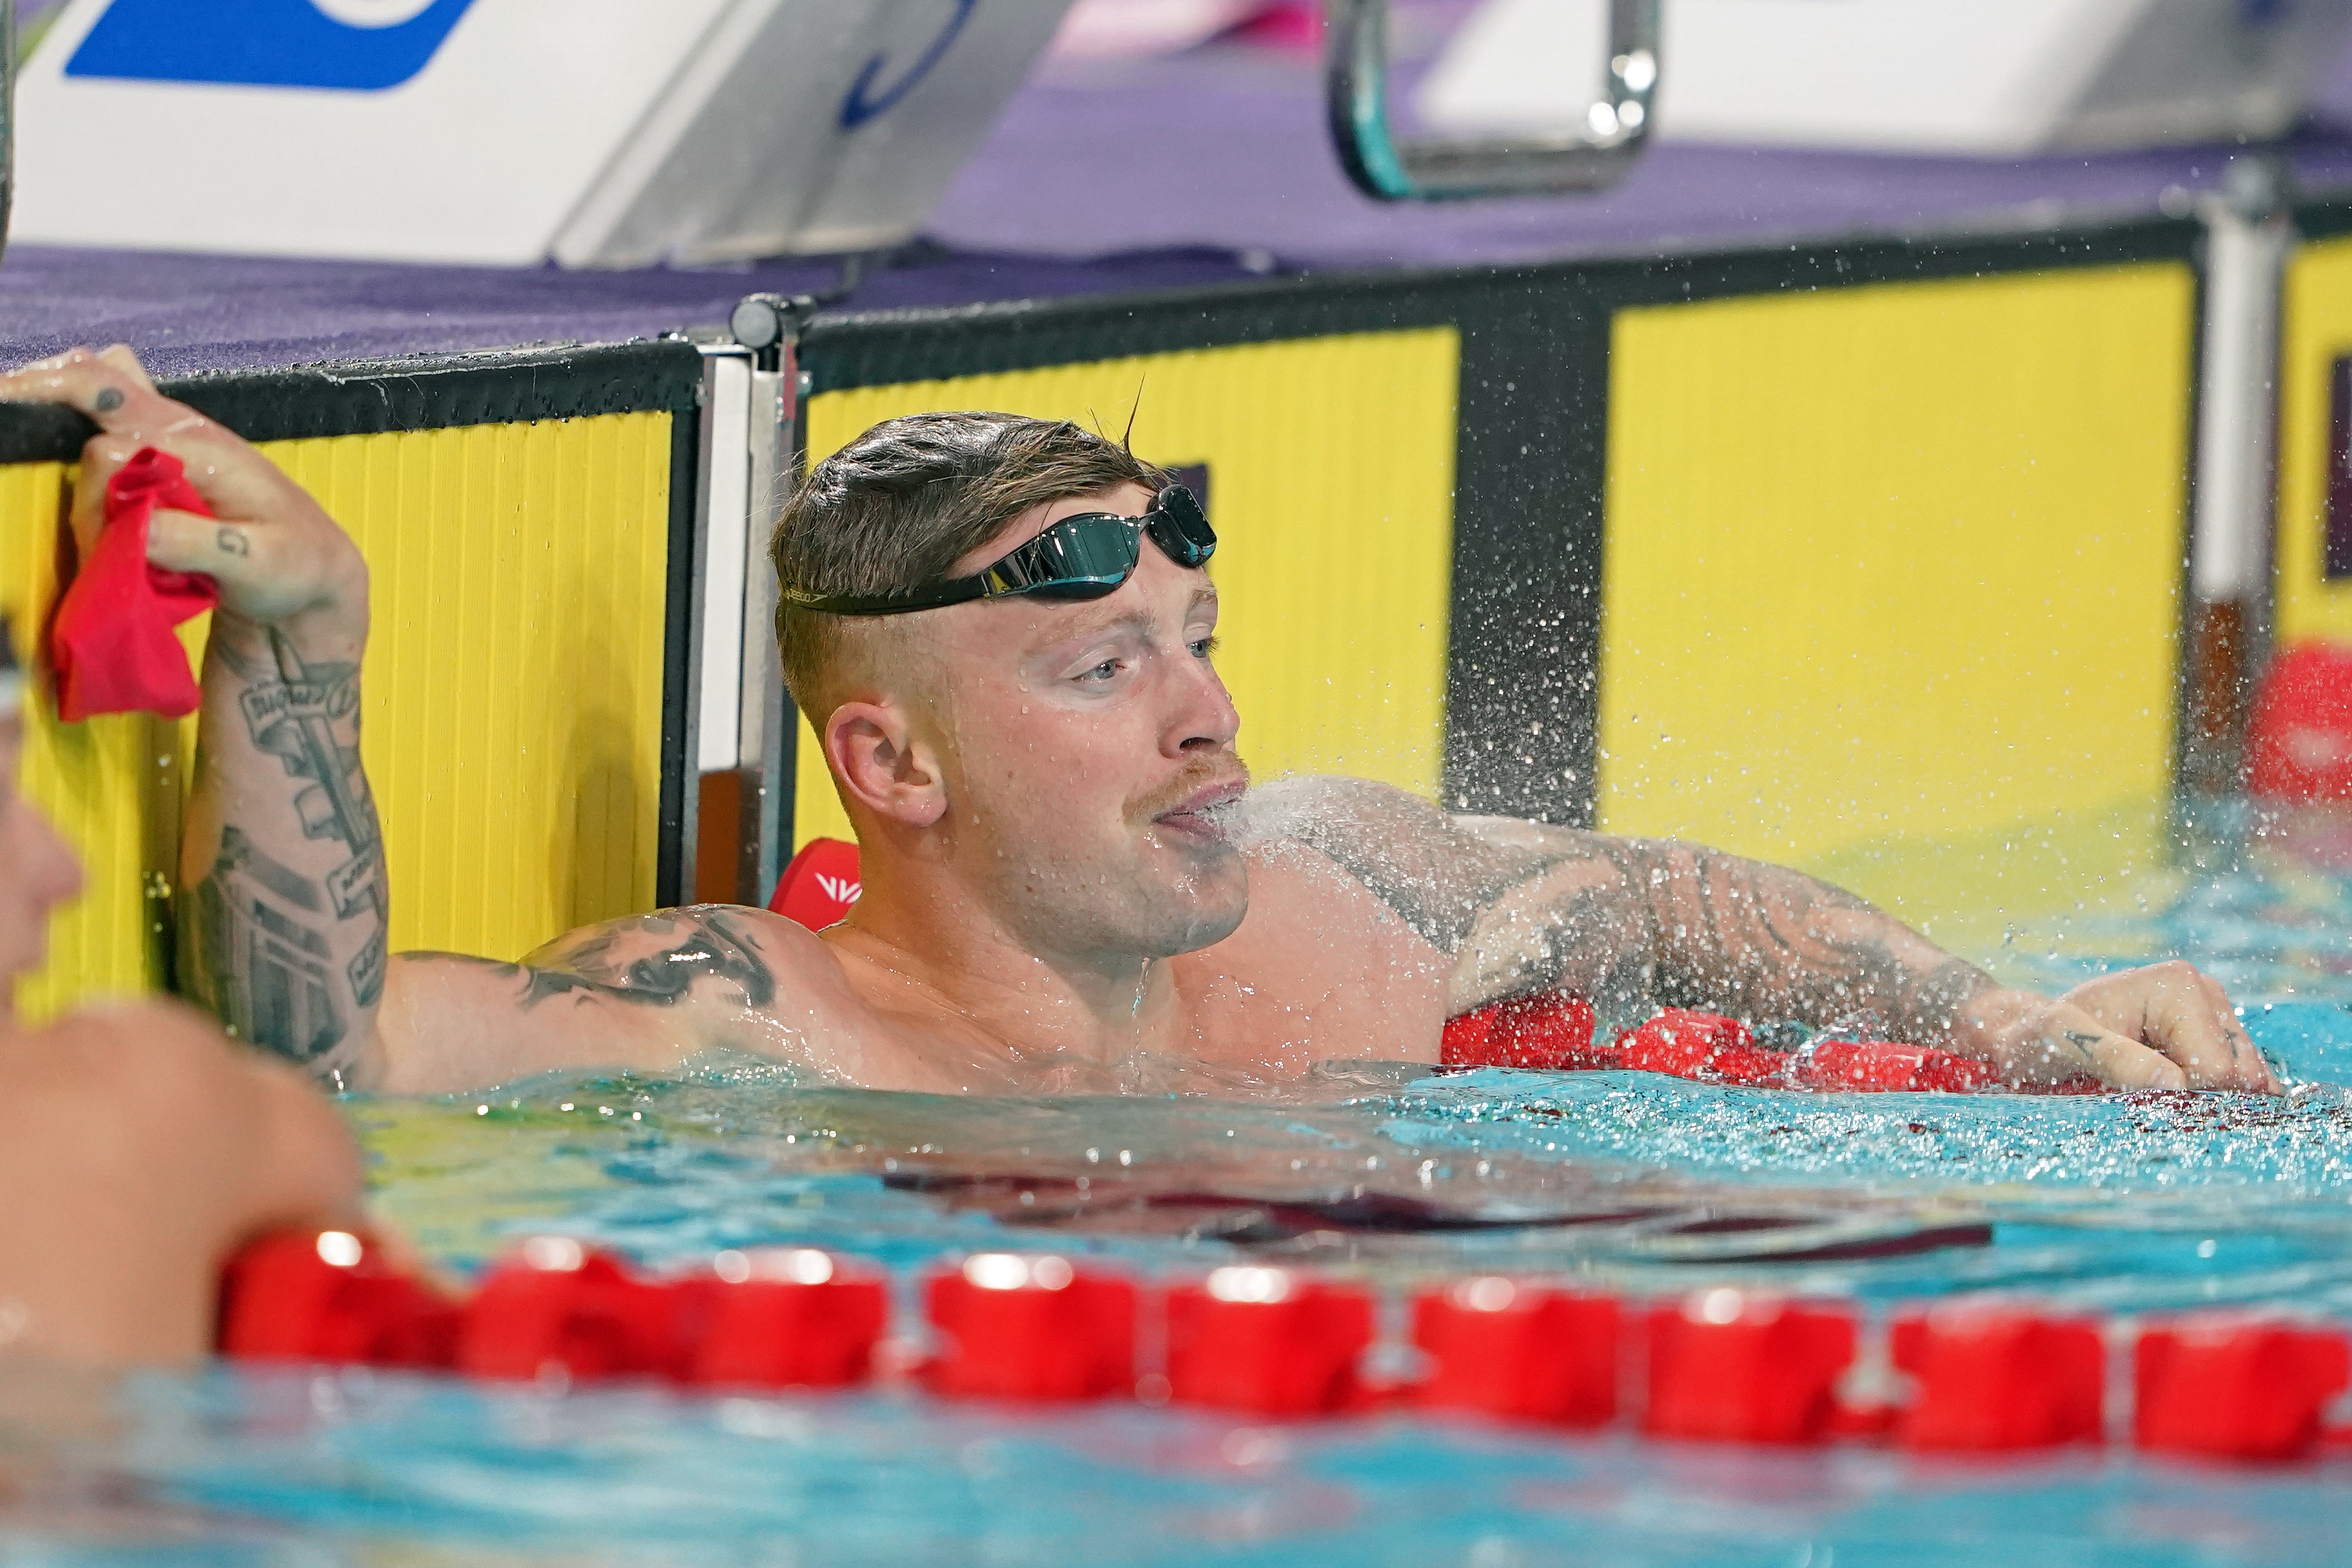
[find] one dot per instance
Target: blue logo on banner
(866, 102)
(360, 46)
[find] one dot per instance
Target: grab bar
(1355, 81)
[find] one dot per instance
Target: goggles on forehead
(1081, 557)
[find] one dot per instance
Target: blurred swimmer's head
(37, 872)
(1071, 759)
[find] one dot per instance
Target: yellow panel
(514, 685)
(1331, 478)
(514, 679)
(1896, 561)
(2316, 329)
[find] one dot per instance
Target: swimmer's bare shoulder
(1325, 964)
(143, 1146)
(647, 991)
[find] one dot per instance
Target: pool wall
(1798, 548)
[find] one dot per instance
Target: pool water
(2127, 1204)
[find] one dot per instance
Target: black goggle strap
(1084, 556)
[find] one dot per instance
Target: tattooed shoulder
(1436, 873)
(651, 961)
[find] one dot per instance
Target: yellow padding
(1893, 561)
(2318, 327)
(513, 719)
(1331, 485)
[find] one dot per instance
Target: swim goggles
(1084, 556)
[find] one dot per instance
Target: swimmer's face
(37, 873)
(1089, 748)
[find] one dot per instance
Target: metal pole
(767, 327)
(2247, 239)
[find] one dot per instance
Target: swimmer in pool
(141, 1146)
(1003, 632)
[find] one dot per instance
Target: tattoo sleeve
(283, 934)
(1629, 924)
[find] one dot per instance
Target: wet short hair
(901, 504)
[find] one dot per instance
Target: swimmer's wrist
(1984, 1024)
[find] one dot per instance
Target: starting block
(2000, 76)
(508, 133)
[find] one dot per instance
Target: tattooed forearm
(1629, 924)
(258, 959)
(290, 958)
(650, 961)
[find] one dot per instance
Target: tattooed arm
(282, 904)
(282, 914)
(647, 990)
(1635, 924)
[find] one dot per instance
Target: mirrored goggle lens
(1181, 528)
(1077, 558)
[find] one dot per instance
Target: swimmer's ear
(881, 766)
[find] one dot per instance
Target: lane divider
(1720, 1365)
(1555, 1031)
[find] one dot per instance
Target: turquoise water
(2128, 1204)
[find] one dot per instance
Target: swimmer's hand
(280, 558)
(2166, 1026)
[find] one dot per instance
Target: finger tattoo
(108, 400)
(232, 541)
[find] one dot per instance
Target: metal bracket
(1355, 81)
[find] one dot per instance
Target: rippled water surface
(2128, 1204)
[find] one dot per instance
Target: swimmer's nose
(1204, 718)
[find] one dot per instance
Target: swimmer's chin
(1211, 918)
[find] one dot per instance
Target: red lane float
(784, 1317)
(2231, 1386)
(1031, 1328)
(2299, 732)
(1268, 1341)
(1502, 1347)
(1549, 1032)
(1730, 1367)
(1992, 1380)
(1720, 1365)
(330, 1296)
(558, 1309)
(1553, 1032)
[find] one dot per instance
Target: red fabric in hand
(111, 645)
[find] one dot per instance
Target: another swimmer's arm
(1525, 907)
(282, 901)
(645, 992)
